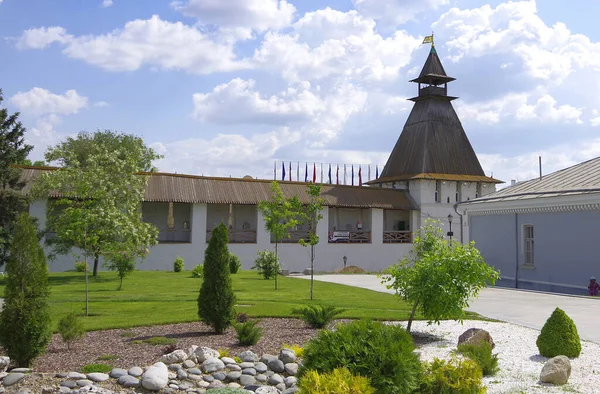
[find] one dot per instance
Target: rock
(280, 387)
(191, 352)
(174, 386)
(69, 384)
(128, 381)
(476, 335)
(156, 377)
(276, 365)
(21, 370)
(177, 356)
(269, 373)
(4, 363)
(189, 364)
(275, 379)
(84, 382)
(220, 376)
(248, 356)
(246, 364)
(194, 377)
(4, 374)
(267, 390)
(60, 375)
(287, 356)
(24, 391)
(246, 380)
(117, 373)
(194, 371)
(208, 378)
(233, 367)
(135, 371)
(203, 353)
(202, 384)
(265, 358)
(172, 375)
(47, 390)
(234, 375)
(212, 365)
(12, 378)
(97, 377)
(556, 370)
(184, 386)
(181, 374)
(249, 371)
(291, 390)
(260, 367)
(216, 384)
(261, 378)
(228, 360)
(291, 368)
(64, 390)
(174, 367)
(76, 375)
(290, 381)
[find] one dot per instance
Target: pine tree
(13, 150)
(216, 299)
(25, 318)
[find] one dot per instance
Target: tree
(99, 209)
(37, 163)
(439, 278)
(123, 261)
(25, 318)
(281, 214)
(312, 214)
(13, 150)
(216, 299)
(70, 328)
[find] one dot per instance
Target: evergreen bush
(248, 333)
(317, 316)
(338, 381)
(481, 353)
(234, 263)
(198, 271)
(382, 352)
(216, 299)
(25, 318)
(559, 336)
(452, 377)
(178, 264)
(70, 328)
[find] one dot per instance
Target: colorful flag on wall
(314, 173)
(329, 173)
(306, 173)
(359, 176)
(282, 171)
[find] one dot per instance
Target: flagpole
(369, 172)
(275, 170)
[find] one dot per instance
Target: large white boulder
(556, 370)
(178, 356)
(203, 353)
(156, 377)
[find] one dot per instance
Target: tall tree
(99, 208)
(25, 318)
(312, 215)
(281, 214)
(13, 150)
(216, 298)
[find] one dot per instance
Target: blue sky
(227, 88)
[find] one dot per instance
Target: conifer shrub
(25, 318)
(234, 263)
(216, 299)
(178, 264)
(317, 316)
(559, 336)
(452, 377)
(248, 333)
(70, 328)
(382, 352)
(198, 271)
(338, 381)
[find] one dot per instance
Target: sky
(229, 88)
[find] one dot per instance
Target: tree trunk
(312, 269)
(96, 262)
(412, 315)
(277, 259)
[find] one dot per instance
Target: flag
(306, 173)
(321, 172)
(352, 174)
(290, 170)
(314, 173)
(369, 173)
(330, 173)
(376, 172)
(282, 171)
(337, 175)
(344, 174)
(275, 170)
(428, 39)
(298, 172)
(359, 176)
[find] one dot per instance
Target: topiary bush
(317, 316)
(481, 353)
(338, 381)
(382, 352)
(198, 271)
(452, 377)
(559, 336)
(70, 328)
(81, 266)
(248, 333)
(234, 264)
(178, 264)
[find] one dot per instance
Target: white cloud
(152, 42)
(391, 13)
(101, 104)
(107, 3)
(40, 101)
(240, 17)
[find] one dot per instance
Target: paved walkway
(526, 308)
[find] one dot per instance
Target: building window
(437, 195)
(477, 190)
(528, 244)
(458, 191)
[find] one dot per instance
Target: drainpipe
(461, 222)
(516, 250)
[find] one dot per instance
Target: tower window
(458, 191)
(528, 244)
(477, 190)
(438, 194)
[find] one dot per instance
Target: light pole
(345, 260)
(450, 233)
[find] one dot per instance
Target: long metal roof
(166, 187)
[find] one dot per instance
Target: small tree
(312, 214)
(438, 278)
(123, 262)
(281, 214)
(216, 299)
(70, 329)
(25, 318)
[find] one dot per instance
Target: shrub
(216, 298)
(70, 328)
(352, 269)
(198, 271)
(25, 318)
(559, 336)
(481, 353)
(178, 264)
(81, 266)
(241, 318)
(234, 264)
(338, 381)
(452, 377)
(96, 368)
(267, 264)
(317, 316)
(299, 350)
(160, 341)
(238, 360)
(224, 352)
(248, 333)
(384, 353)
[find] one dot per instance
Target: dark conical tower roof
(433, 143)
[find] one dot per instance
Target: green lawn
(160, 297)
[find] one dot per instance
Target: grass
(108, 357)
(89, 368)
(163, 297)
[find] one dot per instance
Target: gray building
(542, 234)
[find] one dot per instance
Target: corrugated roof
(582, 178)
(165, 187)
(433, 70)
(439, 177)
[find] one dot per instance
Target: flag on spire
(306, 173)
(352, 174)
(283, 171)
(314, 173)
(428, 39)
(330, 173)
(359, 175)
